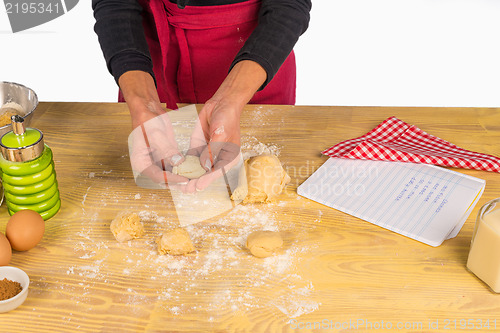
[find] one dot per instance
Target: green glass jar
(28, 174)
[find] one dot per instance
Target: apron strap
(185, 81)
(201, 18)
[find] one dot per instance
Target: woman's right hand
(152, 145)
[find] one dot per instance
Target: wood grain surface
(335, 273)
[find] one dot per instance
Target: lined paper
(420, 201)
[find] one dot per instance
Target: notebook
(424, 202)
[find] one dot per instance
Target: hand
(216, 138)
(152, 146)
(153, 153)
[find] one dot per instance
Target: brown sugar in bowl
(18, 275)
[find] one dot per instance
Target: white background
(356, 52)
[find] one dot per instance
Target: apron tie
(185, 80)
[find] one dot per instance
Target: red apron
(192, 50)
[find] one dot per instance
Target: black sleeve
(121, 36)
(281, 22)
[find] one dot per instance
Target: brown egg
(25, 230)
(5, 250)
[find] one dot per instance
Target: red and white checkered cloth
(395, 140)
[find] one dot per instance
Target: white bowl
(14, 274)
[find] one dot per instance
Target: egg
(25, 230)
(5, 250)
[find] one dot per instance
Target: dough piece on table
(241, 190)
(263, 243)
(261, 179)
(127, 226)
(175, 241)
(190, 168)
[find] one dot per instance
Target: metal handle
(18, 124)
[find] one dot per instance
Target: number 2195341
(32, 7)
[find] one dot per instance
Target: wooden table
(335, 273)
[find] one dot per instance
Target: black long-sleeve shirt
(121, 36)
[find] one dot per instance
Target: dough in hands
(190, 168)
(261, 179)
(263, 243)
(176, 242)
(127, 226)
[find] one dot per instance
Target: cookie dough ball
(127, 226)
(261, 179)
(176, 242)
(190, 168)
(263, 243)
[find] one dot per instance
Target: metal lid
(21, 144)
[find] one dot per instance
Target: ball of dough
(127, 226)
(175, 241)
(261, 179)
(263, 243)
(190, 168)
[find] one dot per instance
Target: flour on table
(297, 301)
(175, 281)
(250, 147)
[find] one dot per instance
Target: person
(220, 53)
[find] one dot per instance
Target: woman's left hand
(216, 138)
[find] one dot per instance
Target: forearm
(242, 82)
(139, 90)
